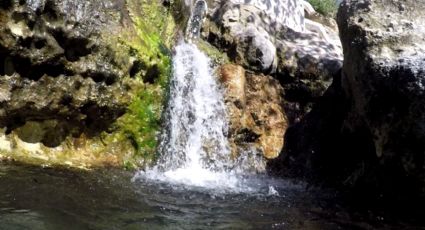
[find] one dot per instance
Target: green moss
(218, 57)
(141, 124)
(144, 38)
(325, 7)
(154, 28)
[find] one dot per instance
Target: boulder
(302, 54)
(384, 77)
(367, 132)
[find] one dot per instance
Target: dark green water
(45, 198)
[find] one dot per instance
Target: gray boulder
(367, 132)
(302, 54)
(384, 78)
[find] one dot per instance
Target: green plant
(325, 7)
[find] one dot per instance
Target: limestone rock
(68, 69)
(384, 76)
(257, 117)
(303, 55)
(287, 13)
(367, 131)
(54, 64)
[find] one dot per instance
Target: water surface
(46, 198)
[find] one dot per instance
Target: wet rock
(257, 117)
(233, 78)
(70, 69)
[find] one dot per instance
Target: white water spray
(194, 146)
(196, 116)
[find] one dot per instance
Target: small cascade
(196, 122)
(194, 147)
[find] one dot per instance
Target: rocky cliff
(81, 82)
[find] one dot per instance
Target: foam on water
(206, 180)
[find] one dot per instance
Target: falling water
(195, 21)
(194, 148)
(196, 117)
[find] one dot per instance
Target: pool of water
(46, 198)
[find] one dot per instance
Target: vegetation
(141, 124)
(218, 57)
(325, 7)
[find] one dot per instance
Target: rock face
(68, 69)
(367, 131)
(58, 68)
(255, 108)
(303, 55)
(384, 77)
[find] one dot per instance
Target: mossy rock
(90, 76)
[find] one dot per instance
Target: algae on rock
(83, 83)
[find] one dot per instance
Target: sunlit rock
(73, 69)
(255, 108)
(286, 13)
(304, 55)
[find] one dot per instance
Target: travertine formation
(69, 69)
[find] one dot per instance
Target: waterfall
(196, 123)
(193, 146)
